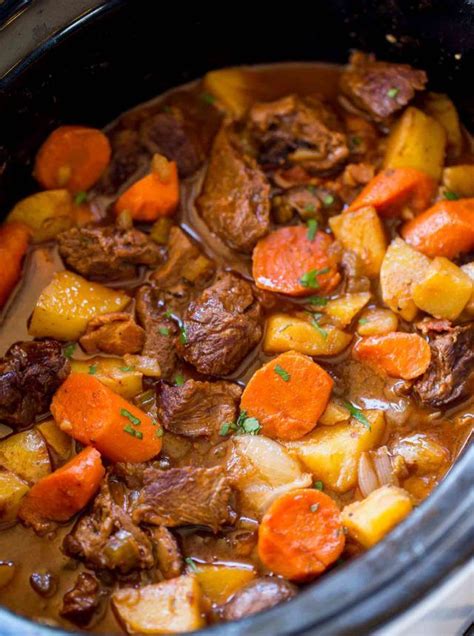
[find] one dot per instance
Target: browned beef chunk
(107, 253)
(234, 201)
(197, 408)
(297, 130)
(30, 373)
(257, 596)
(380, 88)
(80, 602)
(128, 156)
(159, 330)
(185, 496)
(168, 555)
(452, 362)
(221, 326)
(115, 333)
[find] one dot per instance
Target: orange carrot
(301, 534)
(292, 261)
(400, 355)
(14, 239)
(93, 414)
(395, 188)
(287, 395)
(445, 229)
(72, 157)
(63, 493)
(155, 195)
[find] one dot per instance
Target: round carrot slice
(292, 261)
(72, 157)
(301, 534)
(287, 395)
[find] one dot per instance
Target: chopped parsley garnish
(312, 229)
(159, 432)
(225, 429)
(314, 322)
(208, 98)
(318, 485)
(310, 279)
(125, 369)
(357, 414)
(393, 92)
(251, 426)
(133, 432)
(363, 321)
(183, 336)
(168, 314)
(192, 565)
(244, 425)
(164, 331)
(317, 301)
(451, 196)
(328, 199)
(284, 375)
(69, 350)
(179, 379)
(314, 507)
(134, 420)
(310, 207)
(92, 369)
(80, 197)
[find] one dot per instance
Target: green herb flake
(328, 200)
(126, 369)
(159, 432)
(80, 197)
(315, 324)
(168, 314)
(357, 414)
(183, 336)
(92, 369)
(451, 196)
(312, 229)
(317, 301)
(133, 432)
(69, 350)
(251, 426)
(284, 375)
(207, 98)
(393, 92)
(134, 420)
(314, 507)
(310, 207)
(191, 564)
(363, 321)
(164, 331)
(318, 485)
(179, 379)
(225, 429)
(310, 279)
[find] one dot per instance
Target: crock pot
(85, 61)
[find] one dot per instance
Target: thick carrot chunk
(14, 239)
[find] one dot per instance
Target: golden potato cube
(468, 269)
(332, 453)
(343, 310)
(59, 442)
(460, 180)
(169, 607)
(67, 304)
(113, 372)
(416, 141)
(401, 267)
(47, 213)
(377, 321)
(234, 88)
(26, 455)
(441, 108)
(335, 413)
(422, 453)
(369, 520)
(12, 491)
(290, 333)
(444, 290)
(362, 232)
(219, 582)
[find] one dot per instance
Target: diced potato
(26, 455)
(291, 333)
(146, 365)
(419, 487)
(441, 108)
(460, 180)
(361, 231)
(67, 304)
(219, 582)
(262, 470)
(377, 321)
(7, 572)
(47, 213)
(169, 607)
(422, 453)
(60, 443)
(369, 520)
(332, 453)
(335, 413)
(416, 141)
(12, 491)
(232, 87)
(343, 310)
(468, 269)
(401, 267)
(113, 372)
(196, 269)
(444, 290)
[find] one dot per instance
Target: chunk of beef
(116, 333)
(107, 253)
(159, 330)
(297, 130)
(30, 373)
(452, 362)
(234, 201)
(80, 602)
(256, 596)
(380, 88)
(185, 496)
(221, 326)
(128, 155)
(197, 408)
(168, 555)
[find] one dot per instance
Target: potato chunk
(377, 321)
(468, 269)
(460, 180)
(67, 304)
(219, 582)
(401, 267)
(361, 231)
(343, 310)
(113, 372)
(12, 491)
(416, 141)
(369, 520)
(332, 453)
(444, 290)
(169, 607)
(335, 413)
(46, 213)
(291, 333)
(59, 442)
(26, 455)
(441, 108)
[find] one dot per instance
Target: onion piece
(366, 475)
(383, 466)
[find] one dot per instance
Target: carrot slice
(287, 395)
(301, 534)
(400, 355)
(93, 414)
(395, 188)
(291, 261)
(63, 493)
(72, 157)
(446, 229)
(14, 239)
